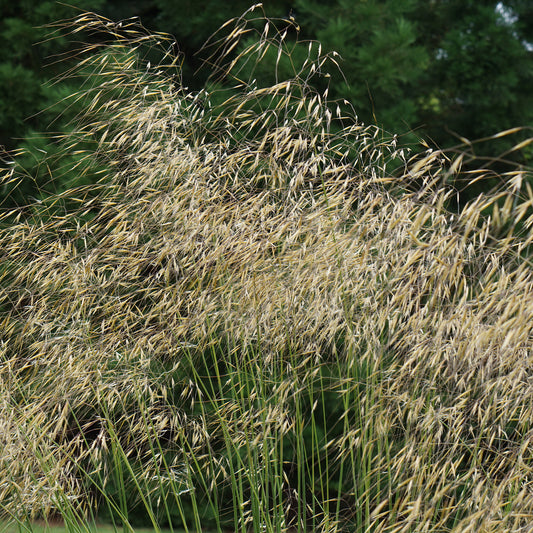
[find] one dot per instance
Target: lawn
(42, 527)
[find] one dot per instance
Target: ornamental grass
(261, 315)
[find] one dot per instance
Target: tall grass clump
(249, 324)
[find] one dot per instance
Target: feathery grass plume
(252, 324)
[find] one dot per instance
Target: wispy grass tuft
(253, 325)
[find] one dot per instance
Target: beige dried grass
(255, 240)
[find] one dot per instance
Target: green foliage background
(434, 70)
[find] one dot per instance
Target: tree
(32, 108)
(478, 82)
(381, 58)
(437, 70)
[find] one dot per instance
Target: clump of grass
(253, 325)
